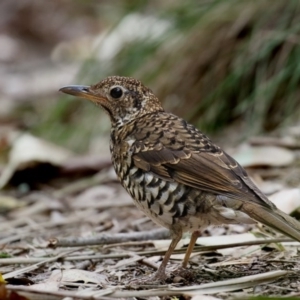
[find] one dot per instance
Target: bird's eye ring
(116, 92)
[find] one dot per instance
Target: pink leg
(190, 248)
(161, 272)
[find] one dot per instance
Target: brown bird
(173, 172)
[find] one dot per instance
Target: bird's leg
(161, 272)
(190, 248)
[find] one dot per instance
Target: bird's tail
(273, 218)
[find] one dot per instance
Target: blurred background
(230, 67)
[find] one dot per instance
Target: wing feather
(197, 163)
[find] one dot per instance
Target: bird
(174, 173)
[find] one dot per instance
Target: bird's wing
(176, 151)
(179, 152)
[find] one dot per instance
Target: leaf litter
(78, 234)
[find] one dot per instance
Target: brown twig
(129, 244)
(145, 253)
(105, 239)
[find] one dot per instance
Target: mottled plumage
(173, 172)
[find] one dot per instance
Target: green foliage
(5, 255)
(219, 62)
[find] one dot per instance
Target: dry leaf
(285, 142)
(101, 196)
(46, 286)
(77, 276)
(85, 164)
(92, 196)
(287, 200)
(10, 295)
(2, 280)
(28, 150)
(268, 187)
(8, 203)
(250, 156)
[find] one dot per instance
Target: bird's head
(123, 98)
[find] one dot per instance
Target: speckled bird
(173, 172)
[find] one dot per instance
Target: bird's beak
(82, 91)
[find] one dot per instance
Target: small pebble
(178, 279)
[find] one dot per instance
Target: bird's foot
(183, 274)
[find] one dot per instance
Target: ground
(79, 233)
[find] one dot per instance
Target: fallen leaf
(8, 203)
(9, 295)
(2, 280)
(46, 286)
(250, 156)
(93, 196)
(85, 164)
(3, 291)
(269, 187)
(287, 200)
(77, 276)
(28, 150)
(285, 142)
(101, 196)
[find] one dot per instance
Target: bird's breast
(163, 201)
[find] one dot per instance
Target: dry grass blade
(224, 246)
(231, 284)
(35, 266)
(208, 288)
(7, 261)
(49, 295)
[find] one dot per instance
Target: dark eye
(116, 92)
